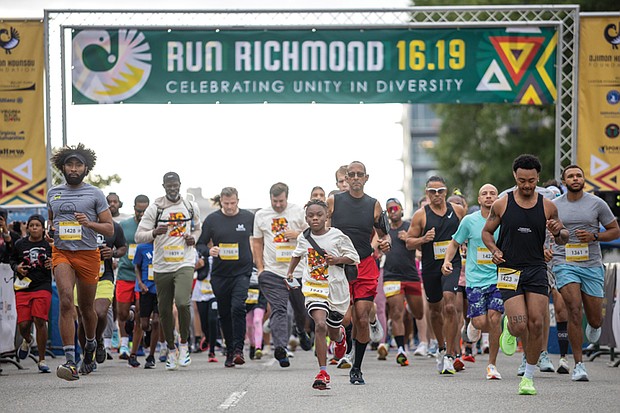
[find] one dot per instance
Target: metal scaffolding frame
(59, 23)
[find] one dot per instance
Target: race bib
(391, 288)
(131, 251)
(316, 289)
(70, 231)
(21, 284)
(150, 275)
(252, 296)
(174, 253)
(507, 278)
(229, 252)
(205, 288)
(484, 256)
(439, 249)
(577, 252)
(101, 268)
(284, 253)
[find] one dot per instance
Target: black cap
(75, 155)
(37, 217)
(171, 176)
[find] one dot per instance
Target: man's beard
(75, 180)
(570, 189)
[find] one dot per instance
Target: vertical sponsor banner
(22, 142)
(598, 133)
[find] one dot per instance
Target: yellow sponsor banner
(598, 132)
(23, 165)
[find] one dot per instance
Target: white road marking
(232, 400)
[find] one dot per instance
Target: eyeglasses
(435, 191)
(358, 174)
(394, 208)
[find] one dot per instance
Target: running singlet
(355, 217)
(433, 252)
(399, 261)
(522, 234)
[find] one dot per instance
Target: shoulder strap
(308, 236)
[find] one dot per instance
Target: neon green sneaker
(507, 342)
(526, 387)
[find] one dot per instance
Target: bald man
(485, 304)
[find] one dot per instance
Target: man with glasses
(126, 278)
(173, 225)
(358, 215)
(431, 231)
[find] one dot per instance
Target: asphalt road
(261, 386)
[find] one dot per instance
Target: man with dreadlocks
(77, 212)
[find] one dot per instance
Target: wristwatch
(595, 236)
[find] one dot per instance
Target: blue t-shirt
(144, 260)
(479, 268)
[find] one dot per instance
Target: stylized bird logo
(109, 69)
(12, 42)
(614, 40)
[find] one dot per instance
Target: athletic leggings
(207, 310)
(254, 325)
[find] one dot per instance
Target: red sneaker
(458, 364)
(321, 381)
(469, 357)
(340, 347)
(212, 358)
(333, 361)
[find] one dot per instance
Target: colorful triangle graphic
(517, 53)
(9, 184)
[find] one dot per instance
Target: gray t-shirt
(64, 202)
(586, 214)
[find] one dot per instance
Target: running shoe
(184, 358)
(238, 358)
(304, 341)
(108, 354)
(344, 362)
(252, 352)
(172, 361)
(293, 342)
(580, 373)
(447, 366)
(439, 356)
(521, 369)
(133, 361)
(123, 353)
(340, 347)
(433, 348)
(115, 338)
(355, 376)
(68, 371)
(492, 373)
(100, 353)
(401, 359)
(150, 362)
(473, 333)
(376, 332)
(258, 354)
(593, 334)
(544, 363)
(333, 361)
(281, 355)
(24, 350)
(469, 357)
(321, 381)
(163, 353)
(382, 351)
(87, 368)
(43, 368)
(484, 347)
(526, 387)
(507, 342)
(458, 364)
(204, 344)
(212, 358)
(421, 350)
(229, 361)
(563, 366)
(266, 327)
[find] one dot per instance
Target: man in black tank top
(524, 215)
(431, 231)
(358, 215)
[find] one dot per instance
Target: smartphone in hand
(291, 284)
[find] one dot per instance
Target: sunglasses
(358, 174)
(435, 191)
(394, 208)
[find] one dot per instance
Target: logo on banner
(9, 39)
(612, 39)
(612, 131)
(109, 65)
(613, 97)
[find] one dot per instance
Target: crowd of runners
(345, 275)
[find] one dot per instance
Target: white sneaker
(172, 360)
(473, 333)
(184, 358)
(448, 366)
(432, 348)
(376, 332)
(439, 356)
(492, 373)
(266, 327)
(580, 373)
(593, 334)
(421, 350)
(563, 367)
(345, 362)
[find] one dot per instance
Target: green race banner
(477, 65)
